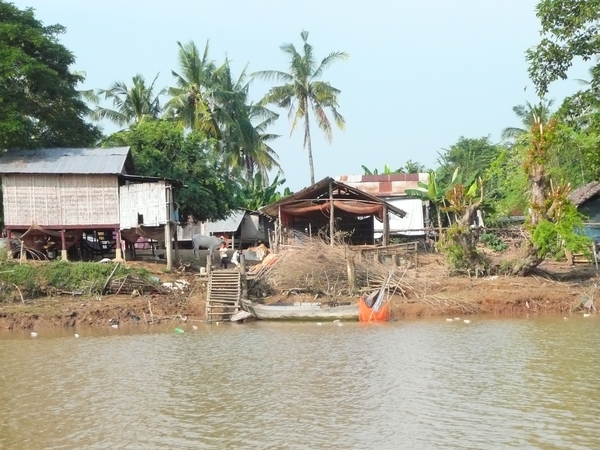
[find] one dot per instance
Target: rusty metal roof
(104, 161)
(390, 185)
(584, 193)
(320, 191)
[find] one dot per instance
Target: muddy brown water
(506, 383)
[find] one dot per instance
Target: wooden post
(278, 229)
(243, 274)
(168, 235)
(8, 244)
(331, 214)
(351, 271)
(176, 243)
(63, 248)
(169, 245)
(118, 251)
(386, 226)
(208, 264)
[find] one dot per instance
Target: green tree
(131, 103)
(528, 114)
(304, 92)
(39, 102)
(245, 142)
(258, 193)
(472, 155)
(162, 148)
(569, 32)
(192, 100)
(413, 167)
(409, 167)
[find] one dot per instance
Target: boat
(301, 311)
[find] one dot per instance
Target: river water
(506, 383)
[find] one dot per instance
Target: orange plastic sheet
(366, 314)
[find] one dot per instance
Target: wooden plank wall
(54, 200)
(147, 199)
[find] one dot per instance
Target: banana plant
(256, 194)
(435, 193)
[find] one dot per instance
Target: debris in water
(194, 327)
(319, 323)
(336, 321)
(449, 320)
(466, 321)
(114, 325)
(33, 334)
(457, 318)
(178, 330)
(76, 335)
(586, 315)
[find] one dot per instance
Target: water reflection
(429, 384)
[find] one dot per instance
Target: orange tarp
(352, 206)
(366, 314)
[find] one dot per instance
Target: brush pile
(317, 269)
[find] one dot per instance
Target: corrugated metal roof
(394, 184)
(229, 225)
(320, 190)
(583, 193)
(115, 160)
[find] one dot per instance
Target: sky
(420, 74)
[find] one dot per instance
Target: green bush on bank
(34, 279)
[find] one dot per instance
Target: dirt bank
(430, 291)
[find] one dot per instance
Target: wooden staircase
(223, 296)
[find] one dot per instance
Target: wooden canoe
(301, 311)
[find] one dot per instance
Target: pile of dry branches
(318, 268)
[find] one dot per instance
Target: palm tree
(131, 103)
(245, 142)
(529, 115)
(302, 91)
(192, 100)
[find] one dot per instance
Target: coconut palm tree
(528, 114)
(245, 142)
(131, 103)
(302, 92)
(192, 99)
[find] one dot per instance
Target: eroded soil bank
(562, 289)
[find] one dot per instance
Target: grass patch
(35, 279)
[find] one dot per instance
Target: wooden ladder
(223, 296)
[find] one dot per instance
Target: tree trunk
(537, 179)
(308, 145)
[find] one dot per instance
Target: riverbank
(560, 291)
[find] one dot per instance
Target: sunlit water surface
(506, 383)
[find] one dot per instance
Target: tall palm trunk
(309, 145)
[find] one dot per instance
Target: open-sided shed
(327, 207)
